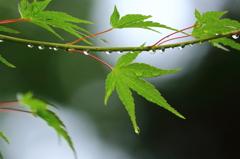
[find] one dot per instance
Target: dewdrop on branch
(40, 47)
(30, 45)
(235, 36)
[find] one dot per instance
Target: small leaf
(226, 42)
(4, 138)
(145, 70)
(197, 14)
(135, 21)
(126, 97)
(39, 108)
(6, 62)
(110, 86)
(5, 29)
(114, 17)
(149, 92)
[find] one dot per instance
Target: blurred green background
(206, 92)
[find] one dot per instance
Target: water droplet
(56, 48)
(131, 51)
(181, 47)
(200, 43)
(137, 131)
(171, 48)
(119, 52)
(191, 45)
(235, 36)
(108, 52)
(1, 41)
(152, 51)
(86, 52)
(162, 50)
(40, 47)
(30, 45)
(50, 48)
(216, 34)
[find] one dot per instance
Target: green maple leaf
(126, 75)
(135, 21)
(39, 109)
(210, 24)
(6, 62)
(46, 19)
(2, 135)
(5, 29)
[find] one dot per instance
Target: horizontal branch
(110, 49)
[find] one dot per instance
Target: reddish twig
(73, 51)
(90, 36)
(12, 20)
(174, 39)
(157, 43)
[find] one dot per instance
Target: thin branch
(99, 49)
(90, 36)
(73, 51)
(157, 43)
(9, 104)
(12, 20)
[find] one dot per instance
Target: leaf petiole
(158, 43)
(71, 43)
(12, 20)
(73, 51)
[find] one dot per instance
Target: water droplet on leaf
(119, 52)
(30, 45)
(40, 47)
(131, 51)
(137, 131)
(1, 41)
(50, 48)
(152, 51)
(235, 36)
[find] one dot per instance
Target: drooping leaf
(126, 75)
(6, 62)
(5, 29)
(3, 136)
(39, 109)
(35, 14)
(210, 24)
(135, 21)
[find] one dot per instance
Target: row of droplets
(41, 47)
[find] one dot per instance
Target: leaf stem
(157, 43)
(73, 51)
(90, 36)
(99, 49)
(12, 20)
(9, 104)
(173, 39)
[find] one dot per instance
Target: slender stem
(173, 34)
(90, 36)
(173, 39)
(9, 104)
(11, 110)
(73, 50)
(92, 48)
(12, 20)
